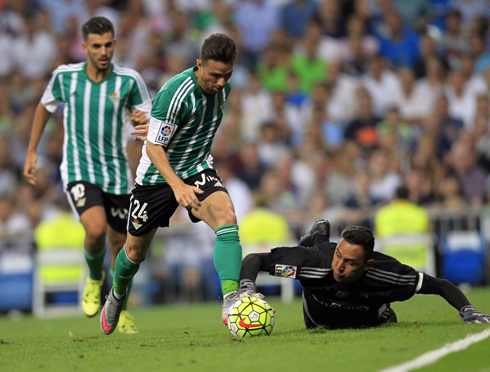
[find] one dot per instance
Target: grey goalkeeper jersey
(184, 120)
(96, 122)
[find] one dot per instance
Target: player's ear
(369, 263)
(198, 63)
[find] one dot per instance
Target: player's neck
(95, 74)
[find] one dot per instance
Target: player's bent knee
(136, 255)
(95, 236)
(135, 250)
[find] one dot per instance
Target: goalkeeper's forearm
(445, 289)
(253, 264)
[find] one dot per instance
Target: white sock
(118, 296)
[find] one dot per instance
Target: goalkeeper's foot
(91, 296)
(126, 323)
(109, 317)
(230, 298)
(320, 228)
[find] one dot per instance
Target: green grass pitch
(192, 338)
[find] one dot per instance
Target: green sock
(111, 272)
(228, 257)
(124, 272)
(95, 263)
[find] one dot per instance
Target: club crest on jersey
(342, 294)
(165, 133)
(114, 97)
(286, 271)
(136, 224)
(81, 202)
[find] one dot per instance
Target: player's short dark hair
(360, 235)
(98, 26)
(220, 48)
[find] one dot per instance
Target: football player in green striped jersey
(176, 169)
(101, 99)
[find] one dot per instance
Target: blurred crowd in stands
(334, 104)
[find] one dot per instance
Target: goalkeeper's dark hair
(98, 26)
(360, 235)
(220, 48)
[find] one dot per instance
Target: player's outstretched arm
(470, 315)
(455, 297)
(41, 117)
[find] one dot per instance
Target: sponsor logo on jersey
(336, 305)
(286, 271)
(121, 213)
(165, 133)
(114, 97)
(222, 105)
(205, 179)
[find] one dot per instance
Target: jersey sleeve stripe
(313, 273)
(419, 284)
(178, 98)
(389, 273)
(124, 71)
(62, 90)
(392, 280)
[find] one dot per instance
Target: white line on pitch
(434, 355)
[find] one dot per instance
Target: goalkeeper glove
(470, 315)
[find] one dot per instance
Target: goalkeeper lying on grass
(347, 284)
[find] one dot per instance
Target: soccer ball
(250, 316)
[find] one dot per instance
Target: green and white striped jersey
(184, 120)
(96, 123)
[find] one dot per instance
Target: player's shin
(95, 263)
(228, 257)
(124, 273)
(228, 262)
(91, 292)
